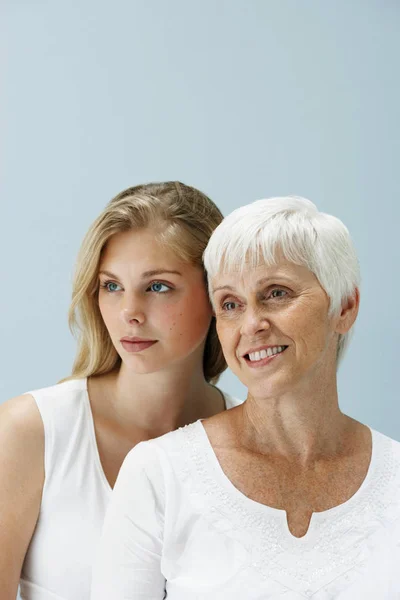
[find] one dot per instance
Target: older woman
(284, 496)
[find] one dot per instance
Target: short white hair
(294, 227)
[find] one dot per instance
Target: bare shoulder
(22, 469)
(22, 480)
(21, 411)
(21, 427)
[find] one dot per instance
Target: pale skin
(150, 294)
(288, 446)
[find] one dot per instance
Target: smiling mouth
(254, 357)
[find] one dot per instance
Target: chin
(271, 386)
(141, 367)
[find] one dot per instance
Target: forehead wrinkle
(279, 272)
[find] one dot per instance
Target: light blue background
(241, 98)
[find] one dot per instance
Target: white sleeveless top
(59, 560)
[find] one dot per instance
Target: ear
(349, 312)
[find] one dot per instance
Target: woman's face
(274, 326)
(155, 306)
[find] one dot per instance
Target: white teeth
(255, 356)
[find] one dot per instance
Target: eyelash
(160, 283)
(105, 285)
(279, 290)
(224, 304)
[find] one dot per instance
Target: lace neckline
(280, 514)
(336, 538)
(210, 475)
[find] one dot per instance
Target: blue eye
(228, 306)
(111, 286)
(159, 288)
(279, 293)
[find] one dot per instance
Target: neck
(162, 401)
(304, 424)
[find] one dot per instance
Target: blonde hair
(184, 219)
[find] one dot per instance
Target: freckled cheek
(186, 319)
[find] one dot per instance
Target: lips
(136, 344)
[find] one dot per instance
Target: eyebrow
(144, 275)
(258, 283)
(223, 287)
(276, 277)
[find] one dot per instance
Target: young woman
(147, 359)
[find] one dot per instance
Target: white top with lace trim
(176, 527)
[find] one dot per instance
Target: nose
(132, 310)
(254, 321)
